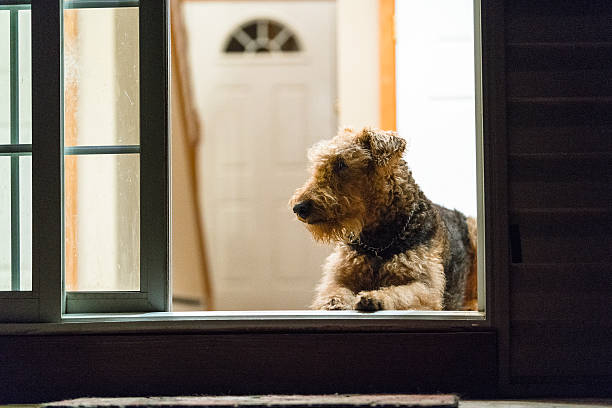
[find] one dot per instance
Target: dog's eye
(339, 165)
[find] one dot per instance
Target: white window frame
(149, 307)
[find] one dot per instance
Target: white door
(264, 79)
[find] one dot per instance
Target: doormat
(271, 401)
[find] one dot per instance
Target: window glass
(5, 77)
(25, 77)
(15, 163)
(265, 91)
(5, 223)
(102, 210)
(15, 223)
(101, 138)
(101, 74)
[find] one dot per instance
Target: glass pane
(15, 233)
(101, 76)
(5, 223)
(25, 77)
(5, 77)
(102, 210)
(25, 221)
(23, 66)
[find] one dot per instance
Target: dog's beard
(336, 230)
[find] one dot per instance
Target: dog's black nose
(303, 208)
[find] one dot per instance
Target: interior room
(262, 83)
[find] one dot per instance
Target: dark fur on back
(425, 220)
(457, 258)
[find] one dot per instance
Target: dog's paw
(336, 303)
(368, 303)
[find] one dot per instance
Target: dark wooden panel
(568, 306)
(560, 83)
(562, 293)
(595, 167)
(36, 368)
(558, 57)
(565, 278)
(560, 352)
(559, 60)
(560, 21)
(495, 180)
(559, 245)
(549, 194)
(554, 8)
(577, 385)
(580, 139)
(559, 112)
(561, 180)
(564, 236)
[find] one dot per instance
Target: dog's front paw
(368, 303)
(335, 303)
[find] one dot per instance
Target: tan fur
(370, 190)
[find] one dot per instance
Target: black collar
(379, 243)
(387, 240)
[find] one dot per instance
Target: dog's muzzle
(303, 209)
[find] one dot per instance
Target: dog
(394, 248)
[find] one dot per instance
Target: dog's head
(348, 174)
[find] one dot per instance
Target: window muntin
(262, 36)
(15, 136)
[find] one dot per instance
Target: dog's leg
(415, 295)
(331, 296)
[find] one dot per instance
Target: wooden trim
(246, 363)
(190, 123)
(47, 157)
(495, 144)
(71, 133)
(386, 29)
(154, 29)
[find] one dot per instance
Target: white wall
(435, 97)
(358, 63)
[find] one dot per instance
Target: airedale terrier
(395, 249)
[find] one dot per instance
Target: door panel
(261, 112)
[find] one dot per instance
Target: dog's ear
(384, 146)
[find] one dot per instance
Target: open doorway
(268, 79)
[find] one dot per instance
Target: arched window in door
(262, 36)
